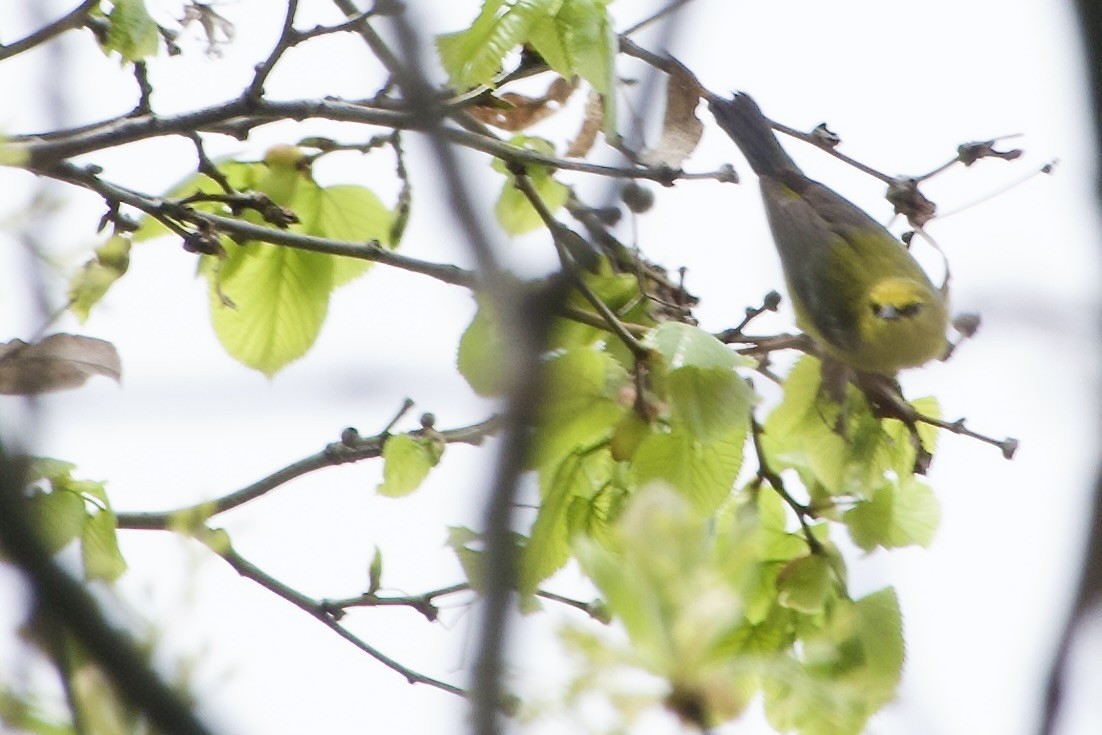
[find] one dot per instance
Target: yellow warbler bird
(856, 289)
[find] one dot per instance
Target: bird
(856, 289)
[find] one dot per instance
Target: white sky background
(902, 85)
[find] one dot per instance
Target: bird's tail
(741, 118)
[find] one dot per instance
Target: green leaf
(467, 547)
(407, 463)
(47, 468)
(760, 640)
(277, 301)
(59, 517)
(635, 590)
(664, 579)
(587, 35)
(838, 450)
(801, 397)
(580, 405)
(850, 668)
(88, 286)
(899, 440)
(547, 38)
(21, 711)
(703, 471)
(76, 508)
(776, 542)
(880, 633)
(903, 513)
(375, 572)
(514, 212)
(708, 402)
(683, 345)
(548, 546)
(481, 352)
(352, 213)
(474, 56)
(706, 395)
(131, 31)
(463, 541)
(805, 584)
(593, 515)
(100, 547)
(268, 302)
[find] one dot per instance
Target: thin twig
(334, 454)
(594, 610)
(770, 303)
(73, 19)
(316, 609)
(353, 25)
(589, 318)
(287, 39)
(378, 47)
(658, 15)
(891, 404)
(206, 165)
(424, 603)
(237, 117)
(168, 213)
(564, 238)
(145, 90)
(767, 474)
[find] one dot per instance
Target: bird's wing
(816, 254)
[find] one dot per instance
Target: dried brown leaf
(681, 128)
(513, 111)
(57, 362)
(587, 134)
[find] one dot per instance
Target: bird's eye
(890, 311)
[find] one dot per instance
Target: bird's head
(902, 325)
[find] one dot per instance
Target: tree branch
(317, 610)
(287, 39)
(354, 449)
(171, 213)
(767, 474)
(73, 19)
(240, 115)
(572, 247)
(423, 603)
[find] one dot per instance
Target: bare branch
(73, 19)
(770, 476)
(287, 39)
(353, 449)
(316, 609)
